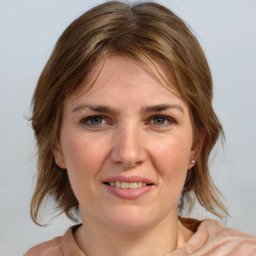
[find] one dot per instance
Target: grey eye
(159, 120)
(96, 120)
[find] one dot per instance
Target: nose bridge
(129, 149)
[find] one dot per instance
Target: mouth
(129, 188)
(128, 185)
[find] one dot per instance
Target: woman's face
(127, 144)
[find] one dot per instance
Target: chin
(132, 219)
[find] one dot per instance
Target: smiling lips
(128, 187)
(124, 185)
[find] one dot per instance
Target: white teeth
(139, 184)
(133, 185)
(124, 185)
(117, 184)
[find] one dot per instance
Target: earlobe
(195, 151)
(58, 156)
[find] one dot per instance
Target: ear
(58, 155)
(196, 148)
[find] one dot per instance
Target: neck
(158, 240)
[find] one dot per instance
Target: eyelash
(86, 121)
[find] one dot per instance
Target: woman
(124, 123)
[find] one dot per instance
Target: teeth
(139, 184)
(125, 185)
(133, 185)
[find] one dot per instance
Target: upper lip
(128, 179)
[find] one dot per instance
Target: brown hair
(148, 33)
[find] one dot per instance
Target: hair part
(147, 33)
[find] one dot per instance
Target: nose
(129, 147)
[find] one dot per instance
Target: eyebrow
(162, 107)
(96, 108)
(146, 109)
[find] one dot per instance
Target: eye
(94, 121)
(161, 120)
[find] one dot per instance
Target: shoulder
(211, 238)
(49, 248)
(59, 246)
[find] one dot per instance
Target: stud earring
(192, 161)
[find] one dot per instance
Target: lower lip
(128, 193)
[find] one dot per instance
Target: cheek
(83, 157)
(172, 154)
(171, 158)
(83, 160)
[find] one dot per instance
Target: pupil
(159, 120)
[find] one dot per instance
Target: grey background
(28, 32)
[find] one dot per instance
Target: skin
(130, 138)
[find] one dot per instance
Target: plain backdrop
(28, 32)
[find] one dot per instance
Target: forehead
(119, 82)
(118, 71)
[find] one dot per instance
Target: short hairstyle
(150, 34)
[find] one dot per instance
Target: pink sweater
(210, 239)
